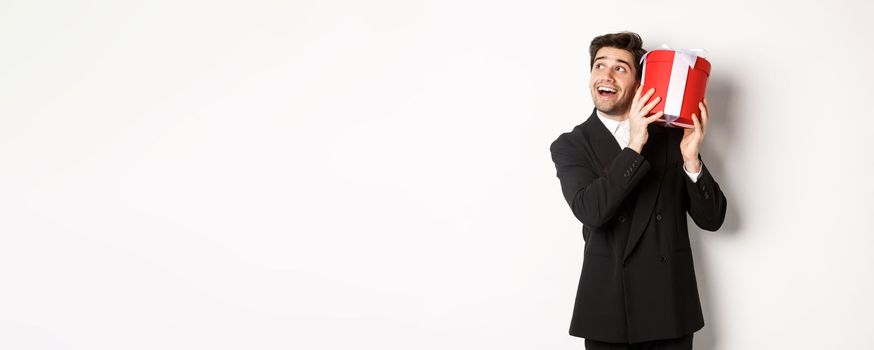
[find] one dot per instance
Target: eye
(620, 68)
(598, 65)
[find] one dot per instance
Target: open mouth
(606, 91)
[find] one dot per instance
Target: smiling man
(631, 183)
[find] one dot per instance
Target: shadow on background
(721, 137)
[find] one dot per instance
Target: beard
(613, 107)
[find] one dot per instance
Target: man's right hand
(637, 119)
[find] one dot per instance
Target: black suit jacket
(637, 281)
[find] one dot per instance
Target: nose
(607, 76)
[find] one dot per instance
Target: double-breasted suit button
(662, 259)
(659, 217)
(621, 218)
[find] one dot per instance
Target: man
(631, 182)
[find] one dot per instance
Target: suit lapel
(605, 145)
(655, 152)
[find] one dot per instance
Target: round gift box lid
(668, 56)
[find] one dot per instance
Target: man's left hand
(692, 139)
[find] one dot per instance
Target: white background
(376, 175)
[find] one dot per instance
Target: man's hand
(637, 119)
(692, 139)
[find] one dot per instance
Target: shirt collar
(612, 125)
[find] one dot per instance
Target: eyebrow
(605, 57)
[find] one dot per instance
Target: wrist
(692, 165)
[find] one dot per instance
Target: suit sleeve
(594, 199)
(707, 203)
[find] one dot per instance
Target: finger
(648, 94)
(635, 98)
(696, 123)
(637, 93)
(654, 117)
(636, 102)
(650, 105)
(705, 116)
(642, 99)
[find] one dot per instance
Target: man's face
(613, 81)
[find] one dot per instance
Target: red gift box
(680, 79)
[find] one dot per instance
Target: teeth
(605, 89)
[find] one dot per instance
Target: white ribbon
(683, 60)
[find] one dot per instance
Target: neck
(617, 117)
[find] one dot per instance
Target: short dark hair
(628, 41)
